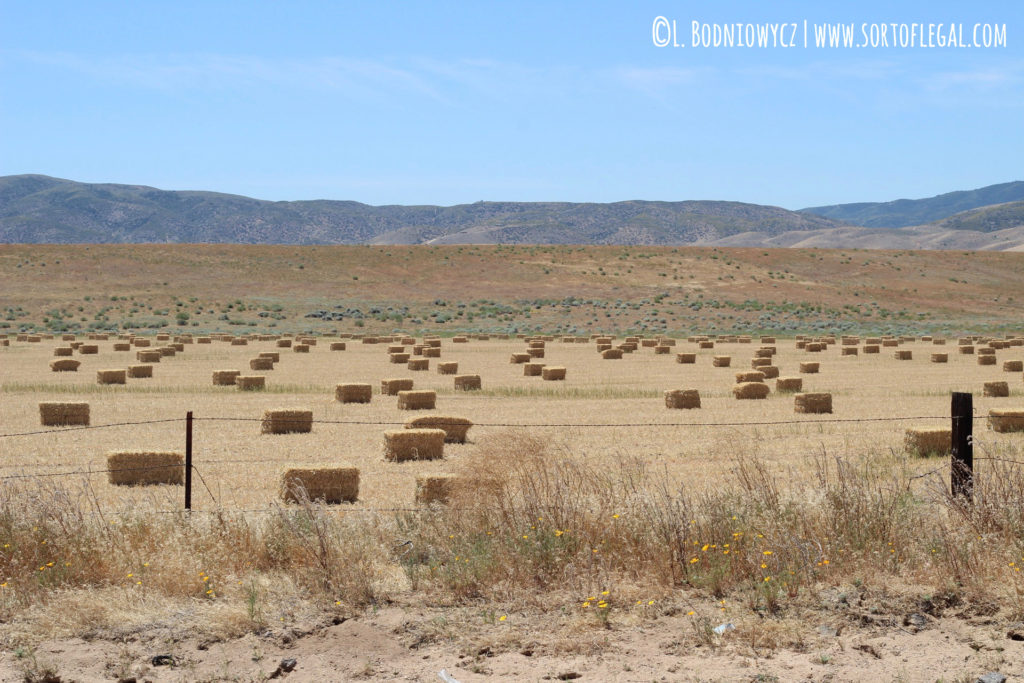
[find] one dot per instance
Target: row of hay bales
(107, 376)
(328, 483)
(422, 439)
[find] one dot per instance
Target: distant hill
(991, 228)
(904, 212)
(40, 209)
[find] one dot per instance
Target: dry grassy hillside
(506, 289)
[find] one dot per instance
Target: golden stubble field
(239, 468)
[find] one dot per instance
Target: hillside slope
(905, 212)
(40, 209)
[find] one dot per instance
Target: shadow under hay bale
(925, 441)
(812, 403)
(455, 428)
(57, 414)
(64, 365)
(331, 484)
(130, 468)
(353, 393)
(417, 400)
(401, 445)
(682, 399)
(286, 421)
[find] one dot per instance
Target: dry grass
(641, 507)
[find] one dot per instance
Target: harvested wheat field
(587, 513)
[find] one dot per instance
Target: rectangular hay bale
(111, 376)
(401, 445)
(330, 484)
(435, 488)
(455, 428)
(140, 371)
(64, 365)
(417, 400)
(131, 468)
(468, 382)
(225, 378)
(553, 373)
(251, 382)
(353, 393)
(287, 421)
(1006, 420)
(812, 403)
(682, 399)
(391, 387)
(55, 414)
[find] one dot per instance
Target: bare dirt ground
(399, 643)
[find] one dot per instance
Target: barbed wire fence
(961, 417)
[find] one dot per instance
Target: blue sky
(453, 102)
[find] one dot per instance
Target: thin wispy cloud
(991, 77)
(823, 71)
(656, 81)
(359, 78)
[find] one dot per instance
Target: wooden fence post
(961, 473)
